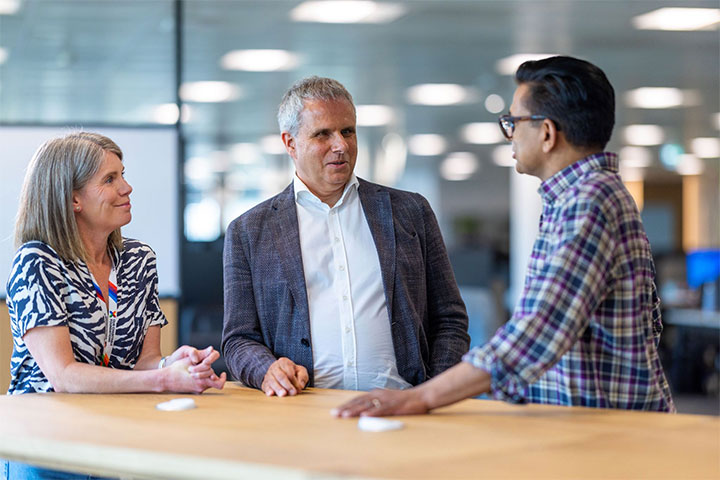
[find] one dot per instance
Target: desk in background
(240, 433)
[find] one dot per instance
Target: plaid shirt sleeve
(566, 281)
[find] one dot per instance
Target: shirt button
(345, 297)
(337, 239)
(342, 268)
(349, 363)
(305, 342)
(347, 329)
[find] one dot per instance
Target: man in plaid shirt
(586, 328)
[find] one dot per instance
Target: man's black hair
(574, 94)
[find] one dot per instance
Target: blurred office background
(189, 89)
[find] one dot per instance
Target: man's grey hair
(310, 88)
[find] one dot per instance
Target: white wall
(150, 157)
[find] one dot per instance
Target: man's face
(325, 148)
(527, 137)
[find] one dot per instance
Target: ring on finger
(376, 403)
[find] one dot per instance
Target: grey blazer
(266, 305)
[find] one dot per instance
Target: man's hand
(284, 377)
(379, 403)
(459, 382)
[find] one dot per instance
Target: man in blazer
(337, 282)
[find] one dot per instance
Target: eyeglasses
(507, 123)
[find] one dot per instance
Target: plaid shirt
(586, 328)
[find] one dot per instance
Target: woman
(81, 297)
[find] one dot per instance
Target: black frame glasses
(507, 123)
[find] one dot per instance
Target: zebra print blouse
(44, 290)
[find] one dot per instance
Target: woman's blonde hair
(60, 167)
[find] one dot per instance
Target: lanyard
(110, 310)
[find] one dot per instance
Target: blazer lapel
(378, 212)
(284, 227)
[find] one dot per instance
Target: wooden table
(240, 433)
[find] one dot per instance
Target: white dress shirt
(349, 323)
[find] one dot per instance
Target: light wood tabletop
(240, 433)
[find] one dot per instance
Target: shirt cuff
(504, 384)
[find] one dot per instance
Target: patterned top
(44, 290)
(586, 328)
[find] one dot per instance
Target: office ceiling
(107, 62)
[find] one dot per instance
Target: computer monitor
(703, 266)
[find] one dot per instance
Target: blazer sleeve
(246, 356)
(447, 334)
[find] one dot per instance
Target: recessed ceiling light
(482, 133)
(272, 144)
(427, 144)
(458, 166)
(643, 135)
(690, 165)
(635, 157)
(347, 11)
(508, 65)
(660, 97)
(209, 92)
(167, 114)
(439, 94)
(494, 103)
(3, 55)
(706, 147)
(678, 19)
(502, 156)
(373, 115)
(9, 7)
(245, 153)
(259, 60)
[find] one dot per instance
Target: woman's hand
(198, 365)
(178, 377)
(204, 357)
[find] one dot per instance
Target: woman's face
(103, 204)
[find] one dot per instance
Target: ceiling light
(209, 92)
(706, 147)
(483, 133)
(502, 156)
(660, 97)
(439, 94)
(9, 7)
(509, 65)
(3, 55)
(245, 153)
(259, 60)
(690, 165)
(272, 144)
(635, 157)
(374, 115)
(643, 135)
(678, 19)
(494, 103)
(427, 144)
(347, 11)
(166, 114)
(458, 166)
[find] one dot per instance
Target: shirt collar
(551, 188)
(302, 191)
